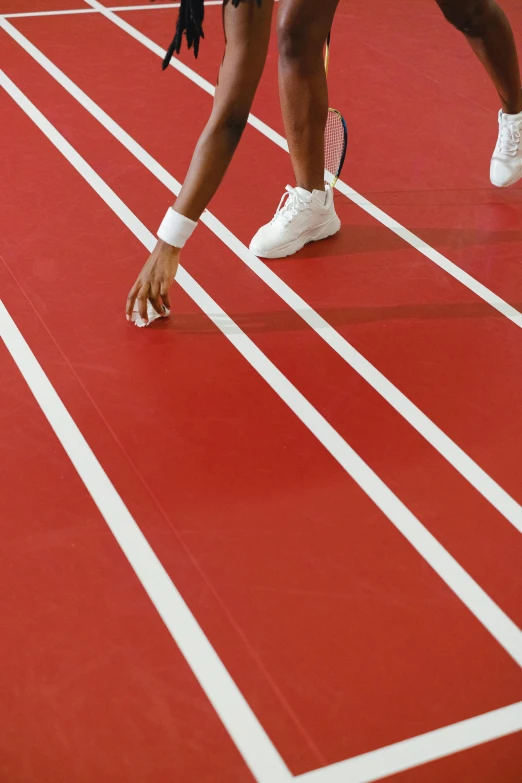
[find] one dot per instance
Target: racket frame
(335, 111)
(335, 177)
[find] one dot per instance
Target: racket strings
(334, 143)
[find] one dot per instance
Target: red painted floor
(338, 634)
(92, 686)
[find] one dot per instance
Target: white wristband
(176, 229)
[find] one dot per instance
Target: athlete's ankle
(311, 185)
(512, 106)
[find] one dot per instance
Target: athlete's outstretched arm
(247, 32)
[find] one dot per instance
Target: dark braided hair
(190, 22)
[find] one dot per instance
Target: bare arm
(247, 31)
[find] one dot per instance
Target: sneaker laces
(292, 204)
(509, 138)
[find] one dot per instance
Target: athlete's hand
(154, 281)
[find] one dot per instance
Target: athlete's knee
(296, 40)
(468, 16)
(233, 123)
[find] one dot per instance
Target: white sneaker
(301, 217)
(506, 163)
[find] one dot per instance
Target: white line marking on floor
(390, 760)
(71, 12)
(116, 8)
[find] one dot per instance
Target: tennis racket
(336, 135)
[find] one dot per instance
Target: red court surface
(337, 508)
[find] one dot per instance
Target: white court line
(242, 725)
(229, 703)
(434, 745)
(72, 11)
(467, 467)
(408, 236)
(155, 6)
(69, 12)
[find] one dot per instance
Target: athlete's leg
(302, 29)
(308, 213)
(489, 33)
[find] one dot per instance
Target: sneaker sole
(509, 184)
(333, 226)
